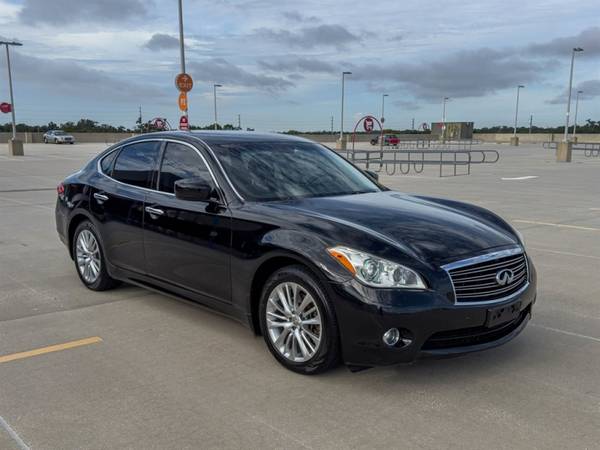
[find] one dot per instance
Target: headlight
(376, 272)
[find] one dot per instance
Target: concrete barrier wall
(37, 138)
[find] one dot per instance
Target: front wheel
(89, 259)
(298, 322)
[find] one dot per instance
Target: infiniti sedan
(295, 242)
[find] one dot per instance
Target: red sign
(159, 123)
(184, 82)
(5, 107)
(183, 102)
(184, 124)
(368, 124)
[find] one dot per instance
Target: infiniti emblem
(504, 277)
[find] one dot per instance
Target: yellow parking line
(50, 349)
(557, 225)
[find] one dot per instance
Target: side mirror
(195, 190)
(372, 175)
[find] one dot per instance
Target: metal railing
(589, 149)
(404, 161)
(432, 144)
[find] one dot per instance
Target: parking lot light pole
(215, 86)
(530, 122)
(383, 96)
(575, 50)
(444, 118)
(342, 113)
(575, 118)
(519, 87)
(15, 147)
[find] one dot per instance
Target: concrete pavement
(167, 374)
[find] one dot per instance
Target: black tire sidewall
(104, 281)
(328, 353)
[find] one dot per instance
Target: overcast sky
(280, 62)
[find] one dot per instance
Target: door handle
(101, 198)
(154, 211)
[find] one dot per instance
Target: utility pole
(15, 147)
(576, 109)
(444, 118)
(181, 43)
(215, 86)
(412, 127)
(383, 96)
(575, 50)
(239, 122)
(331, 124)
(342, 112)
(530, 122)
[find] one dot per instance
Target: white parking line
(564, 253)
(568, 333)
(528, 177)
(557, 225)
(13, 434)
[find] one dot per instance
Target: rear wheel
(298, 322)
(89, 259)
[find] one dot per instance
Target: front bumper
(436, 326)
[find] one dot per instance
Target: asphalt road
(161, 373)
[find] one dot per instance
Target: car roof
(226, 137)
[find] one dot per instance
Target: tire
(325, 353)
(45, 141)
(100, 281)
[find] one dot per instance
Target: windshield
(263, 171)
(59, 133)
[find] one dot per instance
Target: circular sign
(368, 124)
(159, 123)
(183, 102)
(5, 107)
(184, 82)
(184, 124)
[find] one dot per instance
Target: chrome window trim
(99, 168)
(484, 258)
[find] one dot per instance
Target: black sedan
(298, 244)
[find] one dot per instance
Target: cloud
(160, 41)
(590, 88)
(407, 104)
(588, 39)
(467, 73)
(67, 78)
(64, 12)
(295, 16)
(301, 64)
(309, 37)
(219, 70)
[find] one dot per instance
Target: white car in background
(58, 137)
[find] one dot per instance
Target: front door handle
(154, 211)
(101, 198)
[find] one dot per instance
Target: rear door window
(136, 164)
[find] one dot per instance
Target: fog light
(391, 337)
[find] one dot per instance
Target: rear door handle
(154, 211)
(101, 198)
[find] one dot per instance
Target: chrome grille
(475, 279)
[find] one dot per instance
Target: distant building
(454, 130)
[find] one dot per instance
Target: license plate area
(502, 314)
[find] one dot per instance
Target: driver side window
(180, 162)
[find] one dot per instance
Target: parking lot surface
(157, 373)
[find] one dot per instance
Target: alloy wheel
(294, 322)
(87, 252)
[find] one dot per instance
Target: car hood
(429, 229)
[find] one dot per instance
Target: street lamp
(575, 50)
(444, 117)
(519, 87)
(383, 108)
(12, 100)
(215, 86)
(342, 117)
(576, 109)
